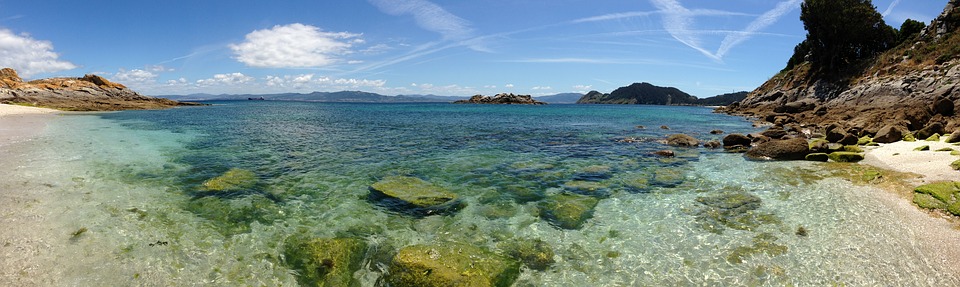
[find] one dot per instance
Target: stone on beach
(845, 156)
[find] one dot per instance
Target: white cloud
(890, 8)
(226, 79)
(768, 18)
(135, 76)
(582, 88)
(429, 16)
(542, 88)
(29, 56)
(294, 46)
(508, 85)
(310, 82)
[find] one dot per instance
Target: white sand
(6, 110)
(899, 156)
(19, 123)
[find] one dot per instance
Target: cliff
(913, 85)
(503, 99)
(89, 93)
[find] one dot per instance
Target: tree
(910, 28)
(842, 32)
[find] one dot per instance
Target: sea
(118, 199)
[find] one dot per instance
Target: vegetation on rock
(940, 195)
(325, 261)
(234, 179)
(566, 210)
(413, 195)
(451, 264)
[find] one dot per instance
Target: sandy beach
(900, 156)
(19, 123)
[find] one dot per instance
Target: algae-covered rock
(326, 262)
(845, 156)
(954, 137)
(945, 149)
(591, 188)
(852, 148)
(933, 138)
(922, 148)
(234, 215)
(234, 179)
(535, 254)
(822, 157)
(865, 140)
(819, 145)
(737, 210)
(414, 196)
(568, 211)
(634, 182)
(451, 264)
(908, 137)
(955, 165)
(940, 195)
(762, 243)
(668, 177)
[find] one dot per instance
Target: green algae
(852, 148)
(234, 179)
(451, 264)
(567, 210)
(234, 215)
(955, 165)
(908, 137)
(326, 262)
(865, 140)
(414, 196)
(736, 210)
(933, 138)
(535, 254)
(845, 156)
(763, 243)
(940, 195)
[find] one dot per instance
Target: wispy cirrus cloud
(890, 8)
(428, 16)
(641, 14)
(679, 21)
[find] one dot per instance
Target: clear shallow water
(133, 180)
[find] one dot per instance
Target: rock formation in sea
(503, 99)
(89, 93)
(649, 94)
(907, 88)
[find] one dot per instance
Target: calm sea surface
(134, 181)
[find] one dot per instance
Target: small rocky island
(89, 93)
(502, 99)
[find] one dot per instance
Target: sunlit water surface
(133, 181)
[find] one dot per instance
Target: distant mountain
(339, 97)
(565, 98)
(648, 94)
(723, 100)
(640, 94)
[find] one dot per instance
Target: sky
(391, 47)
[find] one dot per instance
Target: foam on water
(131, 180)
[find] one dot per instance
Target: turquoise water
(134, 180)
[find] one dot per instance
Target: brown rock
(954, 137)
(90, 93)
(734, 140)
(664, 153)
(792, 149)
(929, 130)
(712, 144)
(835, 134)
(774, 133)
(682, 140)
(943, 106)
(849, 139)
(889, 134)
(716, 132)
(664, 127)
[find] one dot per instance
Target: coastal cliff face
(912, 86)
(89, 93)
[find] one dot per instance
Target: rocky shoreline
(88, 93)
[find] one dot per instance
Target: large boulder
(929, 130)
(943, 106)
(889, 134)
(567, 210)
(940, 195)
(791, 149)
(451, 264)
(774, 133)
(849, 139)
(682, 140)
(413, 196)
(836, 134)
(326, 262)
(736, 140)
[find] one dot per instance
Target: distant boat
(256, 99)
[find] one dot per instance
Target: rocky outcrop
(792, 149)
(913, 86)
(502, 99)
(89, 93)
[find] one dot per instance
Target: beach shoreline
(21, 123)
(931, 165)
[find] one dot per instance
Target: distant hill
(564, 98)
(648, 94)
(339, 97)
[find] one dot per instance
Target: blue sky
(443, 47)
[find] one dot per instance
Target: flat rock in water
(451, 264)
(413, 195)
(234, 179)
(568, 211)
(846, 156)
(792, 149)
(326, 262)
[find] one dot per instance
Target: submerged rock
(822, 157)
(846, 156)
(325, 261)
(234, 179)
(414, 196)
(713, 144)
(762, 243)
(732, 141)
(452, 264)
(665, 153)
(535, 254)
(568, 211)
(591, 188)
(940, 195)
(668, 177)
(737, 210)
